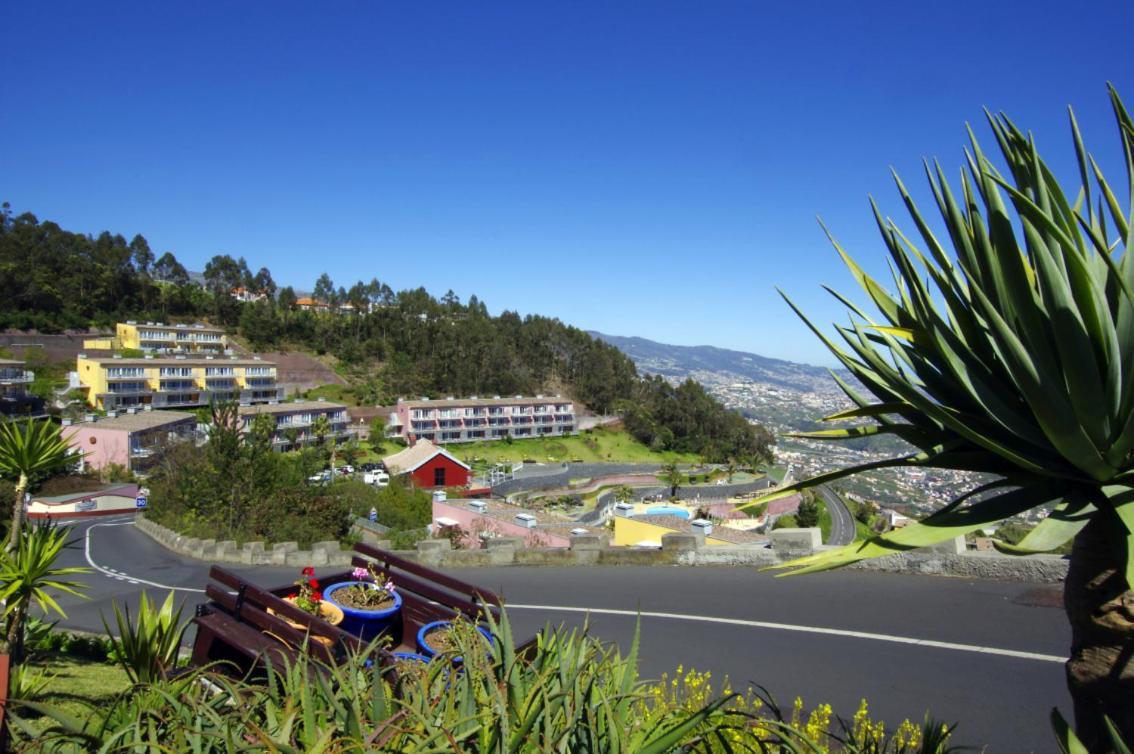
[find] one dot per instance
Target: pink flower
(389, 587)
(360, 574)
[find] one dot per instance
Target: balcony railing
(16, 375)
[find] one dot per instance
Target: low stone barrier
(327, 553)
(949, 558)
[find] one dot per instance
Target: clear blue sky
(644, 168)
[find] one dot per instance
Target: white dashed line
(119, 576)
(803, 629)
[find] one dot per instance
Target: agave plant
(1008, 349)
(147, 647)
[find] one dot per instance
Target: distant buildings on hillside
(295, 422)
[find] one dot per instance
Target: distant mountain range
(684, 361)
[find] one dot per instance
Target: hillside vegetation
(404, 343)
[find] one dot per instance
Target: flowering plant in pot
(370, 603)
(310, 599)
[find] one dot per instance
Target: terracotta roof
(417, 456)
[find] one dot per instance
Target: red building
(428, 466)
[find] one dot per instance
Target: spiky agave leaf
(1010, 353)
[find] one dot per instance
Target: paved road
(986, 654)
(842, 523)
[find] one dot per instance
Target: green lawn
(79, 680)
(596, 445)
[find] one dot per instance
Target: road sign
(374, 515)
(141, 501)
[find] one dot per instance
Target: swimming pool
(669, 510)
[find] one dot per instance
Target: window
(439, 476)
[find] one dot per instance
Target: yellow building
(174, 382)
(155, 336)
(648, 530)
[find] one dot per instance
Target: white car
(377, 478)
(321, 477)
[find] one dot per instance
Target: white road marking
(123, 576)
(802, 629)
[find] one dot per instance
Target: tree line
(395, 343)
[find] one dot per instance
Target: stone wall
(678, 549)
(252, 553)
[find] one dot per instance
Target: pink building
(472, 419)
(131, 440)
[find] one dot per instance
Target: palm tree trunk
(15, 636)
(1100, 607)
(17, 513)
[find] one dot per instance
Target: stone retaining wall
(678, 549)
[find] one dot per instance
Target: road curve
(842, 523)
(984, 654)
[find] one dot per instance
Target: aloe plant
(147, 646)
(1008, 348)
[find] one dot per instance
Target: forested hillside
(404, 343)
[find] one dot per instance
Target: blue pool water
(669, 510)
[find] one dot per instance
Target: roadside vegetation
(238, 488)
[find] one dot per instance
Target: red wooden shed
(429, 466)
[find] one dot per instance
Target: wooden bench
(251, 620)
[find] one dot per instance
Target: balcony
(16, 376)
(175, 400)
(261, 395)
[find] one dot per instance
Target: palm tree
(28, 574)
(672, 476)
(1013, 355)
(321, 427)
(26, 449)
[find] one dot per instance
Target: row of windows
(457, 413)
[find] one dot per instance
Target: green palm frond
(31, 447)
(1005, 347)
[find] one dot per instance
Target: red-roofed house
(429, 466)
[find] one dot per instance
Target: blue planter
(423, 644)
(365, 624)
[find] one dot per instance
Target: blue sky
(649, 169)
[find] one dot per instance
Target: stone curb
(947, 559)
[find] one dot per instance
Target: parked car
(377, 478)
(370, 466)
(321, 477)
(346, 468)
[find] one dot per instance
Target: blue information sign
(140, 501)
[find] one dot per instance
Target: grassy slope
(596, 445)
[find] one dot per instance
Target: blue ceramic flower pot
(365, 624)
(423, 639)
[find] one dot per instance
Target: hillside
(684, 361)
(385, 343)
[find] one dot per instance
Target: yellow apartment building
(174, 382)
(158, 337)
(155, 336)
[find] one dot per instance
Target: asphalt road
(842, 523)
(984, 654)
